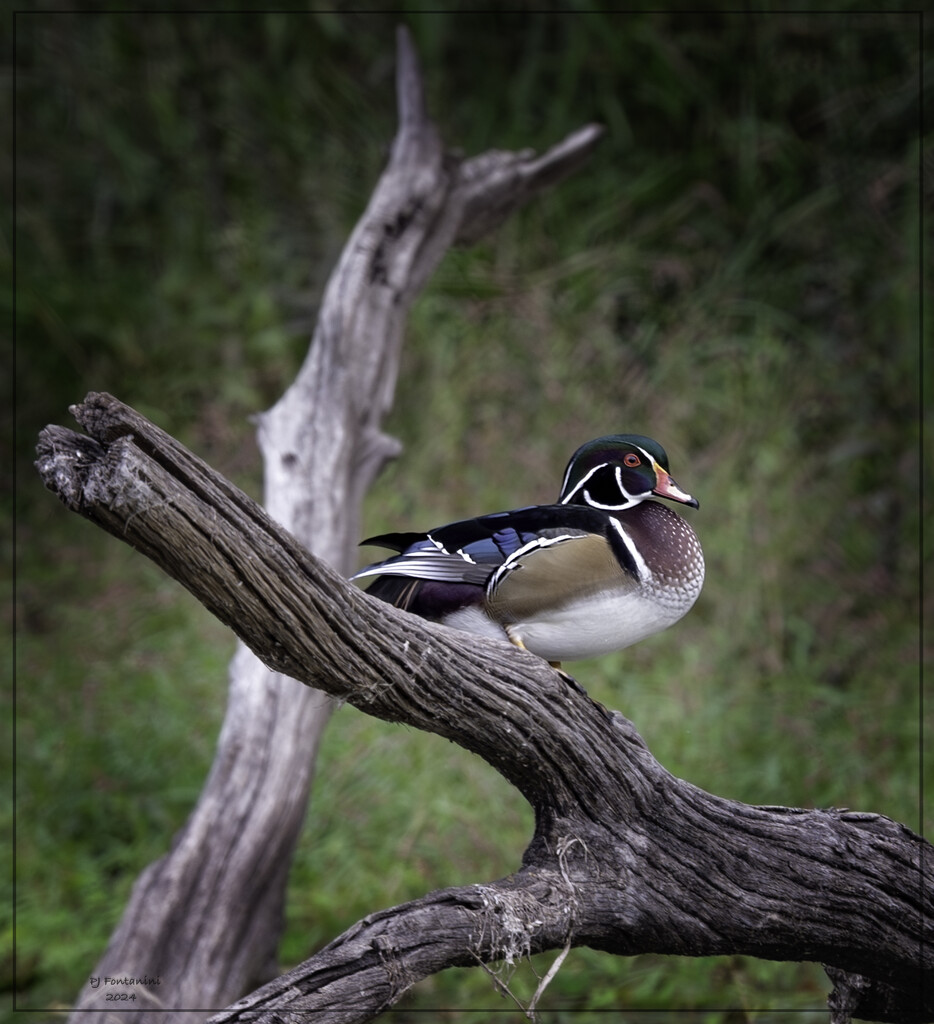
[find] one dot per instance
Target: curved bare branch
(648, 861)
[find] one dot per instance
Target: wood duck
(600, 570)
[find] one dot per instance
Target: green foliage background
(735, 272)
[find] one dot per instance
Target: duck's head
(617, 472)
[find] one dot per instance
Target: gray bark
(625, 857)
(206, 918)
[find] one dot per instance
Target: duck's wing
(472, 550)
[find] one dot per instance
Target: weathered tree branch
(625, 857)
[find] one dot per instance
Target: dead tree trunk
(625, 857)
(208, 914)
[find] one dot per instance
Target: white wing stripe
(511, 562)
(424, 565)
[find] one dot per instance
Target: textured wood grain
(625, 857)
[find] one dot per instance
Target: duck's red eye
(631, 460)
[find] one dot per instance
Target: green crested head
(617, 472)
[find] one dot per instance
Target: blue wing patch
(472, 550)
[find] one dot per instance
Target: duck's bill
(665, 487)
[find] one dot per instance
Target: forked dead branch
(207, 916)
(625, 857)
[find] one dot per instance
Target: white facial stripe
(580, 483)
(564, 482)
(655, 466)
(642, 569)
(584, 479)
(631, 499)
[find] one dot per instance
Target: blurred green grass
(736, 273)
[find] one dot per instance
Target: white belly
(595, 626)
